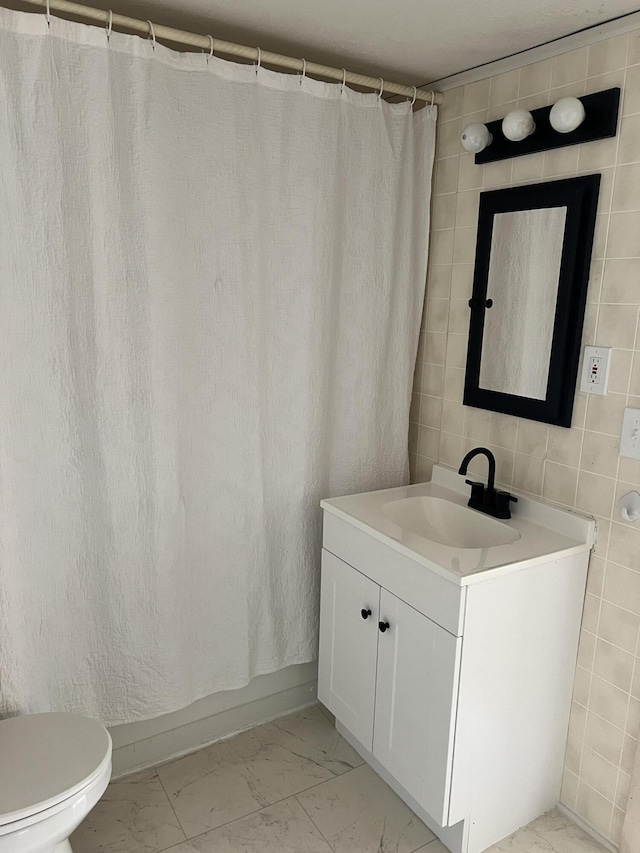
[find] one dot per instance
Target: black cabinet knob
(383, 626)
(365, 613)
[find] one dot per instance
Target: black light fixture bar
(600, 122)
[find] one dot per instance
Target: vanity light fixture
(517, 125)
(475, 138)
(567, 114)
(571, 121)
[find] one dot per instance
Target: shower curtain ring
(433, 98)
(304, 70)
(258, 59)
(415, 95)
(47, 13)
(344, 80)
(109, 25)
(381, 88)
(211, 48)
(152, 33)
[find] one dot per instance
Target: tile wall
(578, 467)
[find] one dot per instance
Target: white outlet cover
(595, 381)
(630, 440)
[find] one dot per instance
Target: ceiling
(410, 41)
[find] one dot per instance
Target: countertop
(545, 531)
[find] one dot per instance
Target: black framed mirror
(533, 254)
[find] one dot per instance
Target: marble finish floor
(289, 786)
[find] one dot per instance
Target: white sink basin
(448, 523)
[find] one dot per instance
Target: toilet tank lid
(46, 758)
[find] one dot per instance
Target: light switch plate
(630, 441)
(595, 370)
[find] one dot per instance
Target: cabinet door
(348, 646)
(416, 699)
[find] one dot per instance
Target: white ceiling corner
(411, 41)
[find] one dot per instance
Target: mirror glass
(526, 251)
(530, 281)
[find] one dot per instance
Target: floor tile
(282, 828)
(550, 833)
(523, 841)
(359, 813)
(133, 816)
(564, 835)
(311, 735)
(237, 796)
(235, 777)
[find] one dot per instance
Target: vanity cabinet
(348, 653)
(390, 674)
(462, 703)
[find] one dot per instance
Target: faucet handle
(503, 500)
(477, 491)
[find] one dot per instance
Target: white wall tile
(607, 55)
(504, 87)
(569, 67)
(476, 97)
(535, 78)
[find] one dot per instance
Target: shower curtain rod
(226, 47)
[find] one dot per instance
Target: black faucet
(487, 498)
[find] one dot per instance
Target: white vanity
(448, 644)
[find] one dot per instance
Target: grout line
(428, 844)
(599, 716)
(606, 555)
(626, 723)
(613, 604)
(611, 512)
(322, 835)
(446, 341)
(545, 459)
(599, 793)
(515, 438)
(602, 757)
(155, 769)
(263, 808)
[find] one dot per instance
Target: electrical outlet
(630, 441)
(595, 370)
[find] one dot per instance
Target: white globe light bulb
(475, 138)
(567, 115)
(517, 125)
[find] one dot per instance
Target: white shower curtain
(212, 279)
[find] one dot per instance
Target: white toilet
(53, 770)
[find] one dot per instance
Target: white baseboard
(143, 744)
(582, 823)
